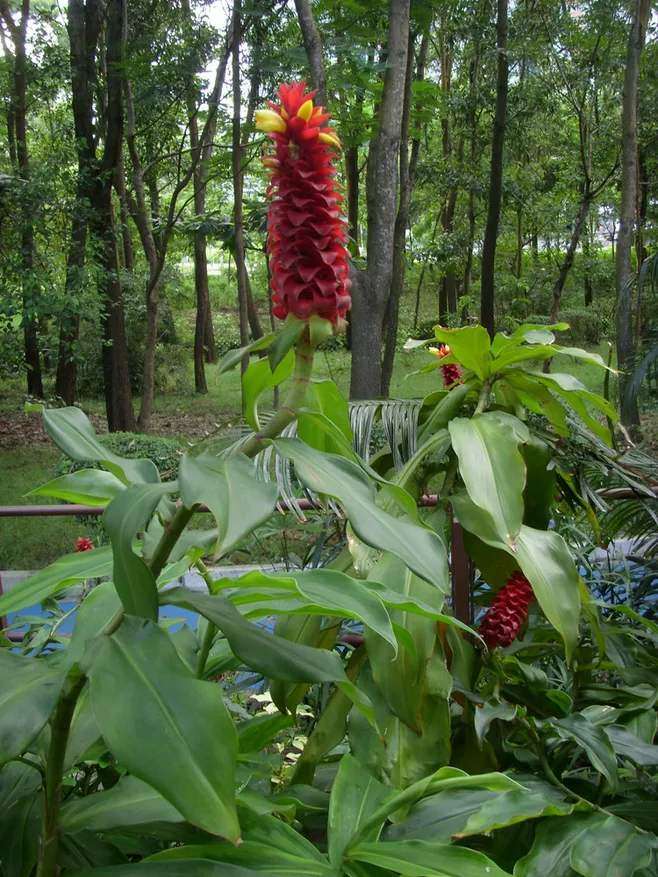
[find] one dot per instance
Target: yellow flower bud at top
(268, 121)
(306, 109)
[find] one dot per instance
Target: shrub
(164, 452)
(227, 332)
(587, 325)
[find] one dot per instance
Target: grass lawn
(30, 543)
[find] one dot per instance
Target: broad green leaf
(333, 592)
(185, 868)
(628, 745)
(355, 794)
(167, 728)
(488, 713)
(539, 492)
(284, 339)
(269, 846)
(592, 739)
(492, 467)
(324, 423)
(587, 355)
(443, 412)
(233, 357)
(257, 733)
(129, 802)
(84, 733)
(72, 432)
(260, 377)
(515, 355)
(593, 844)
(127, 515)
(94, 613)
(470, 345)
(64, 572)
(238, 500)
(417, 858)
(20, 832)
(546, 562)
(420, 548)
(271, 655)
(463, 812)
(86, 486)
(29, 688)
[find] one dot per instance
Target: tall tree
(627, 214)
(19, 143)
(487, 291)
(371, 291)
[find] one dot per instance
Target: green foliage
(425, 752)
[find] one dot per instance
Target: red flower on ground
(306, 229)
(83, 543)
(508, 612)
(451, 372)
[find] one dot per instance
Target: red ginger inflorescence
(306, 231)
(508, 612)
(451, 372)
(83, 543)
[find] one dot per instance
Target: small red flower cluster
(451, 372)
(306, 229)
(83, 543)
(508, 612)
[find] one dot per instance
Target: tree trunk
(567, 262)
(118, 397)
(236, 161)
(18, 146)
(313, 47)
(518, 266)
(370, 297)
(352, 177)
(67, 366)
(487, 293)
(587, 267)
(623, 268)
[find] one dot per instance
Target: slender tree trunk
(67, 366)
(487, 295)
(118, 397)
(370, 298)
(408, 166)
(240, 265)
(313, 47)
(126, 238)
(643, 182)
(587, 266)
(567, 262)
(18, 145)
(352, 176)
(518, 266)
(623, 268)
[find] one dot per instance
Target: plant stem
(60, 728)
(211, 628)
(288, 410)
(483, 401)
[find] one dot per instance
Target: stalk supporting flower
(508, 612)
(451, 371)
(307, 233)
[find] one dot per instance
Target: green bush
(227, 332)
(587, 325)
(164, 452)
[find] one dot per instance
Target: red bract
(451, 372)
(306, 230)
(83, 543)
(508, 612)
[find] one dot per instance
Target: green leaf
(237, 499)
(420, 548)
(258, 378)
(129, 802)
(185, 868)
(630, 746)
(94, 613)
(285, 339)
(167, 728)
(470, 345)
(269, 846)
(547, 564)
(86, 486)
(257, 733)
(488, 713)
(592, 739)
(233, 357)
(127, 515)
(417, 858)
(72, 432)
(271, 655)
(29, 688)
(492, 467)
(324, 423)
(593, 844)
(521, 354)
(64, 572)
(355, 794)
